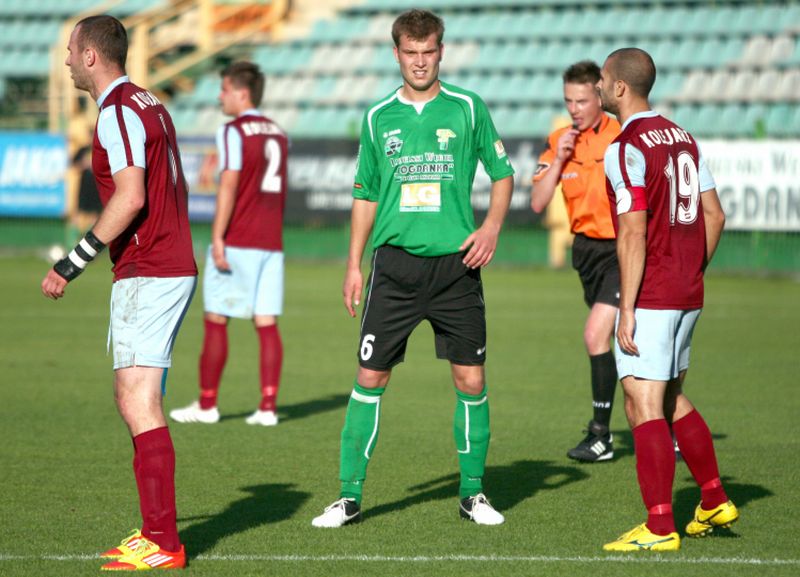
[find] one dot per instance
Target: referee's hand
(351, 290)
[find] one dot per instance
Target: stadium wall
(758, 181)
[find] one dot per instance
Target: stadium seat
(782, 120)
(741, 87)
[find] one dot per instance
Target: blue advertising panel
(32, 174)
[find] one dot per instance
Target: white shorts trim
(664, 339)
(254, 285)
(146, 313)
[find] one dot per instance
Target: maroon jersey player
(669, 221)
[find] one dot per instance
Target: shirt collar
(418, 105)
(112, 86)
(645, 114)
(250, 112)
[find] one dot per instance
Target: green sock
(359, 435)
(471, 431)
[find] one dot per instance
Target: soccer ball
(55, 253)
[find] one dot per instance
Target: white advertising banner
(758, 182)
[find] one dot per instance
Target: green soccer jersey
(418, 165)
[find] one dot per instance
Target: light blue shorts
(146, 313)
(664, 339)
(253, 286)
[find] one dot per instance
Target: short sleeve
(366, 185)
(625, 167)
(546, 158)
(706, 179)
(229, 148)
(490, 147)
(124, 142)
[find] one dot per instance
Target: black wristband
(67, 269)
(83, 253)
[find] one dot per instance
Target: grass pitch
(246, 495)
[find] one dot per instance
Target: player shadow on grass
(686, 499)
(508, 485)
(268, 503)
(302, 410)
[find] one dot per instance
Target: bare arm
(483, 242)
(226, 200)
(362, 217)
(631, 252)
(123, 206)
(715, 221)
(543, 189)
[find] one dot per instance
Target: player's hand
(626, 329)
(53, 285)
(566, 144)
(218, 254)
(482, 244)
(351, 290)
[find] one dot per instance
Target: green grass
(67, 487)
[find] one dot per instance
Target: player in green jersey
(418, 154)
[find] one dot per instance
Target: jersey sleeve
(706, 179)
(625, 167)
(229, 148)
(366, 185)
(546, 158)
(489, 146)
(122, 138)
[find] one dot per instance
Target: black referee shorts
(596, 263)
(404, 290)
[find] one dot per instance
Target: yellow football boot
(641, 539)
(704, 521)
(125, 547)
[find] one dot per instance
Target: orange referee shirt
(583, 180)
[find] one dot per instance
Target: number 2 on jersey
(271, 183)
(684, 185)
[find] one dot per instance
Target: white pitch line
(644, 559)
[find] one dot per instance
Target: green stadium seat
(782, 120)
(685, 116)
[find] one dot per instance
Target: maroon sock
(212, 361)
(697, 449)
(154, 467)
(655, 469)
(271, 361)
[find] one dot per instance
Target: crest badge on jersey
(392, 146)
(444, 135)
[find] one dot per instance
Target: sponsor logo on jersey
(420, 197)
(392, 146)
(569, 175)
(391, 133)
(444, 135)
(499, 148)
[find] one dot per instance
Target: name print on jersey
(257, 127)
(665, 136)
(145, 99)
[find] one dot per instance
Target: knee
(469, 384)
(596, 339)
(370, 379)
